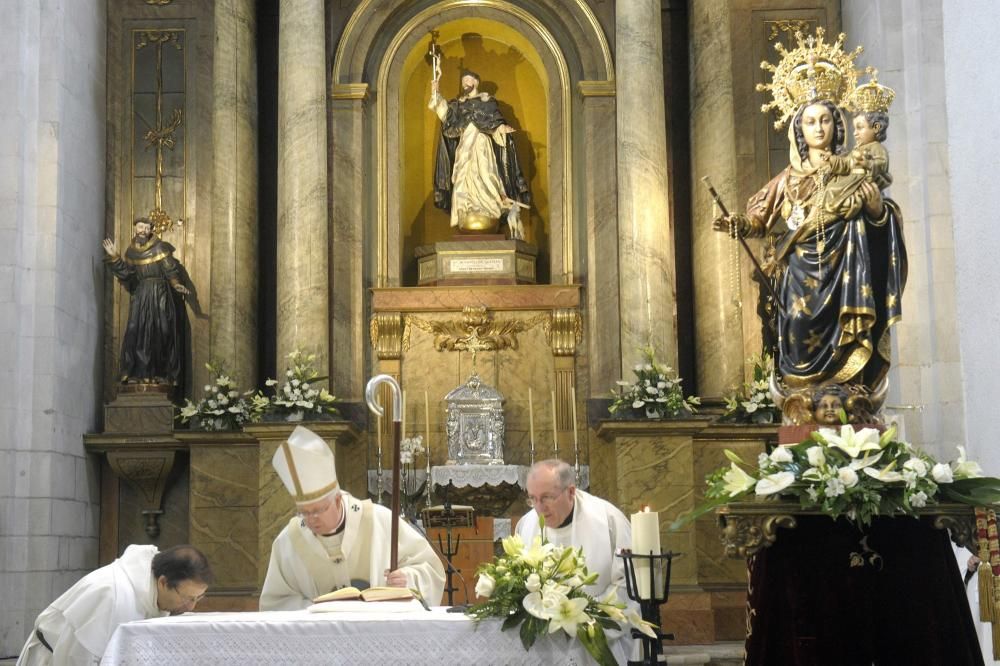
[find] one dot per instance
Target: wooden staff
(766, 281)
(371, 397)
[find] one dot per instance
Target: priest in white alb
(577, 518)
(141, 584)
(337, 540)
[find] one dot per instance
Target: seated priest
(579, 519)
(337, 540)
(76, 628)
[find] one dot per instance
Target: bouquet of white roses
(223, 407)
(752, 403)
(656, 392)
(859, 474)
(541, 588)
(300, 391)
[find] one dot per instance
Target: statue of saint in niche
(477, 177)
(152, 343)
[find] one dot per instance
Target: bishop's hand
(395, 578)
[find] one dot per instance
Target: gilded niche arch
(392, 66)
(512, 70)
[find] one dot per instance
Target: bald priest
(337, 540)
(143, 583)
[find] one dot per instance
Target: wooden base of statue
(476, 260)
(140, 409)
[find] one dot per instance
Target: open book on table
(350, 593)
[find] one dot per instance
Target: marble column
(647, 288)
(718, 323)
(233, 326)
(303, 238)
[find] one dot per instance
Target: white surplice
(79, 624)
(600, 528)
(304, 566)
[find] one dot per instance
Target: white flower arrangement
(223, 406)
(301, 391)
(859, 474)
(656, 392)
(752, 402)
(541, 588)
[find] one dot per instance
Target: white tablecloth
(300, 638)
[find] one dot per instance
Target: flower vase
(295, 417)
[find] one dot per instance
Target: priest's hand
(395, 578)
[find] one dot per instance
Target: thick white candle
(555, 427)
(531, 425)
(645, 540)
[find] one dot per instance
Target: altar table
(301, 638)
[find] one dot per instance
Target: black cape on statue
(153, 340)
(808, 606)
(485, 115)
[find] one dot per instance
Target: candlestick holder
(449, 517)
(658, 593)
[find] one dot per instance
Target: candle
(531, 426)
(555, 427)
(402, 417)
(427, 435)
(572, 394)
(645, 540)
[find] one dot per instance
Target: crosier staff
(371, 397)
(766, 281)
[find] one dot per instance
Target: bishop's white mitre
(305, 464)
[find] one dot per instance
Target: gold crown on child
(814, 70)
(872, 96)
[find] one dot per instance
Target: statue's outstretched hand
(732, 224)
(506, 129)
(181, 289)
(109, 247)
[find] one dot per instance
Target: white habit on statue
(600, 528)
(79, 624)
(304, 565)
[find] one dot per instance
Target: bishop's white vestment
(79, 624)
(304, 566)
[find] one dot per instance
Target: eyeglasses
(545, 500)
(188, 600)
(315, 513)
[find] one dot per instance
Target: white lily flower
(885, 475)
(965, 469)
(852, 442)
(636, 621)
(941, 473)
(781, 454)
(774, 483)
(867, 461)
(737, 481)
(568, 615)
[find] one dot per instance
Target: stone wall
(52, 69)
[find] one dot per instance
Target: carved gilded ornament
(476, 331)
(386, 331)
(789, 26)
(564, 331)
(748, 527)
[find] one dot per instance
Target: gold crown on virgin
(814, 70)
(872, 96)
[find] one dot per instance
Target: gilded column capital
(386, 331)
(564, 331)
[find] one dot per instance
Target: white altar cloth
(300, 638)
